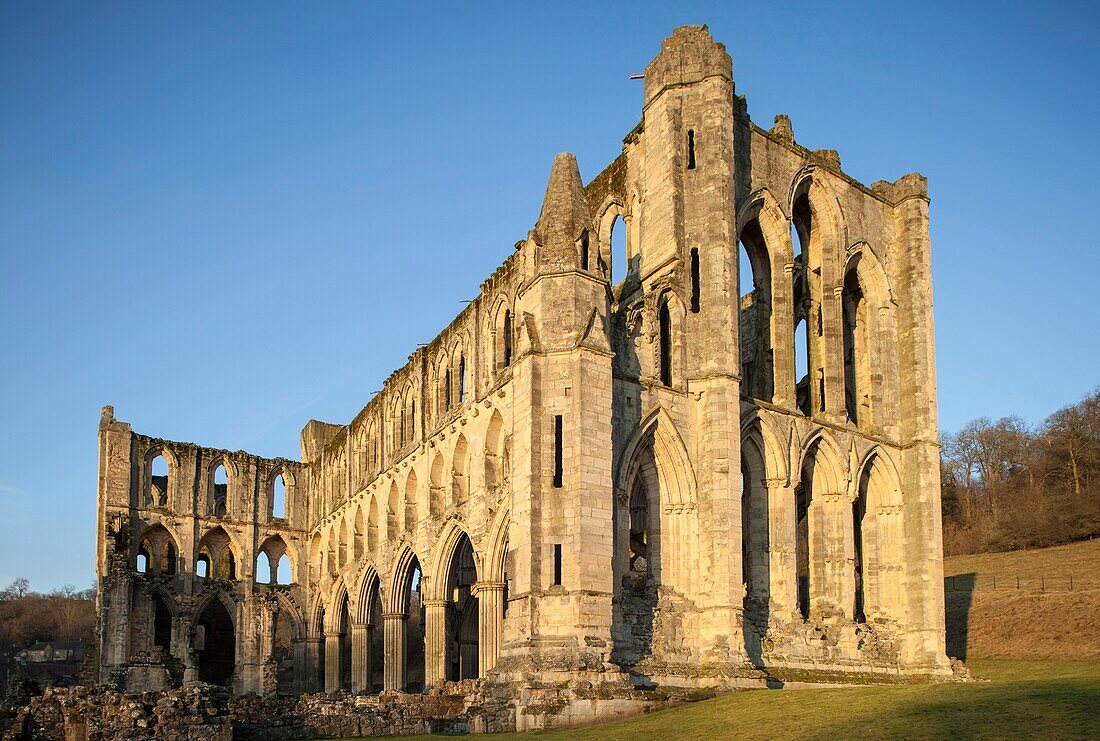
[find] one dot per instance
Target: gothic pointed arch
(404, 563)
(443, 553)
(366, 593)
(675, 469)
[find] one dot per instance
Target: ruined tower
(588, 482)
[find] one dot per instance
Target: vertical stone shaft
(435, 641)
(490, 597)
(782, 564)
(360, 658)
(334, 661)
(394, 625)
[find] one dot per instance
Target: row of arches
(393, 509)
(204, 639)
(160, 464)
(825, 541)
(814, 545)
(157, 553)
(817, 324)
(410, 631)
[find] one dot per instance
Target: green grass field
(1020, 699)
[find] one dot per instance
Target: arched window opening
(168, 561)
(202, 566)
(263, 569)
(215, 646)
(220, 494)
(158, 482)
(343, 677)
(754, 277)
(620, 260)
(691, 150)
(284, 574)
(375, 648)
(694, 280)
(447, 391)
(807, 293)
(507, 358)
(664, 322)
(142, 566)
(162, 623)
(462, 629)
(802, 367)
(584, 249)
(856, 350)
(278, 498)
(408, 589)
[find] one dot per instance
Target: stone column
(833, 359)
(435, 641)
(490, 619)
(837, 551)
(782, 562)
(334, 661)
(312, 681)
(782, 329)
(394, 625)
(360, 658)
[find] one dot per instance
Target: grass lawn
(1022, 699)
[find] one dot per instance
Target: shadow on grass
(959, 597)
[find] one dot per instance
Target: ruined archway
(215, 643)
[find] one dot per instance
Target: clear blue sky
(228, 219)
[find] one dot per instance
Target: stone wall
(203, 711)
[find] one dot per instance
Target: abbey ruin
(589, 484)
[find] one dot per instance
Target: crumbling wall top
(689, 55)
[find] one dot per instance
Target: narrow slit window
(584, 250)
(507, 338)
(665, 325)
(558, 477)
(694, 280)
(691, 150)
(557, 564)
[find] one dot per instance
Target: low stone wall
(202, 711)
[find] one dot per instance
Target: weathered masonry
(668, 477)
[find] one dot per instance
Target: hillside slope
(1020, 605)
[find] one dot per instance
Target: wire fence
(1028, 583)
